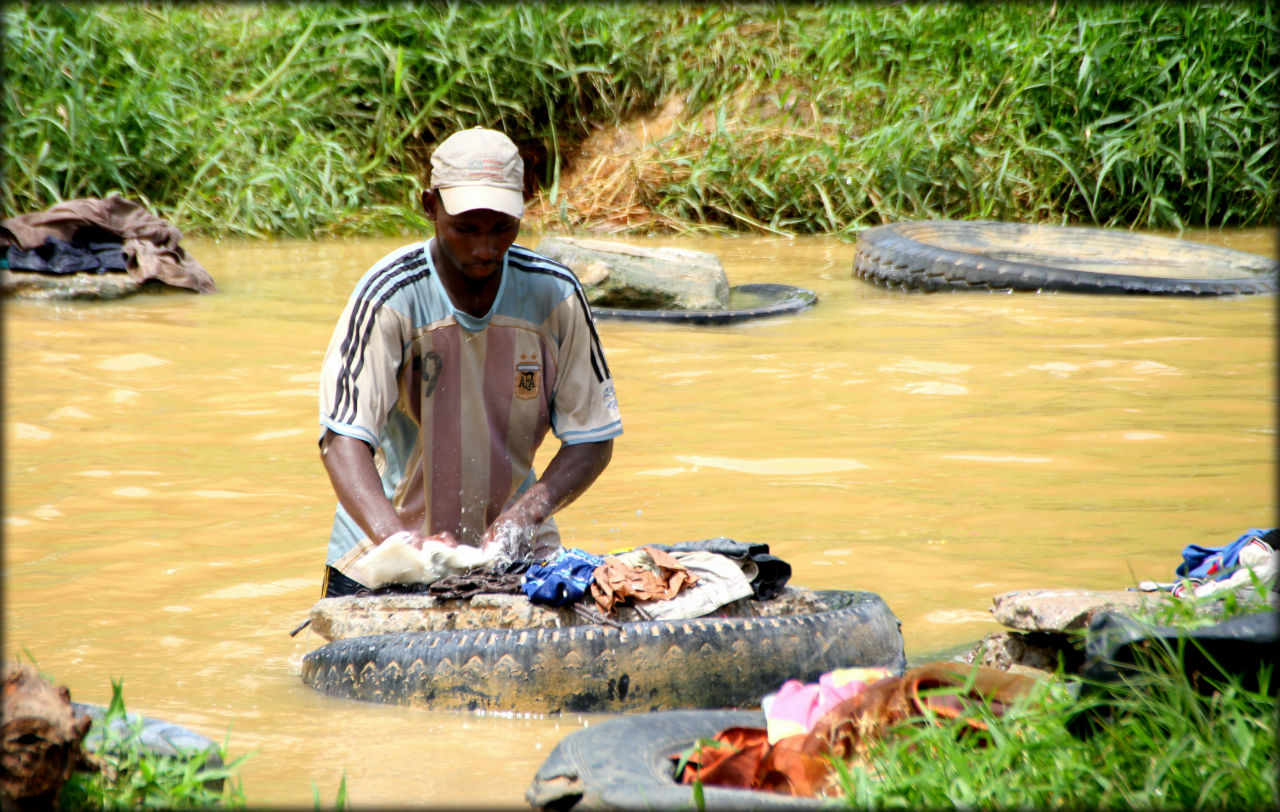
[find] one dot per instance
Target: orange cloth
(742, 757)
(615, 582)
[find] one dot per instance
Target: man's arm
(355, 479)
(570, 472)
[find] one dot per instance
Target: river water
(166, 511)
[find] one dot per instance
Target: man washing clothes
(451, 361)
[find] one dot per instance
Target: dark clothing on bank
(59, 257)
(148, 245)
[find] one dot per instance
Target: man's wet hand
(512, 534)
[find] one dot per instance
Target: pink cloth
(797, 706)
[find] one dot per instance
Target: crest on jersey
(527, 369)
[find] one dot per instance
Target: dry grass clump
(607, 184)
(614, 180)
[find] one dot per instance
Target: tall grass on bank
(303, 119)
(1163, 745)
(293, 119)
(1120, 114)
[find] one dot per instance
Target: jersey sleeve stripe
(377, 290)
(366, 295)
(349, 431)
(350, 374)
(595, 435)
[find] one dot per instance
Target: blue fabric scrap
(563, 579)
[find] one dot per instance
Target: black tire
(623, 764)
(985, 255)
(1120, 648)
(641, 666)
(778, 300)
(1240, 645)
(157, 737)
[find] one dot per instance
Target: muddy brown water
(166, 512)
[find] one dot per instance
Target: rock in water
(624, 276)
(1060, 610)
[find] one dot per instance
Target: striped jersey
(457, 405)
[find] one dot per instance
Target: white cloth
(394, 561)
(720, 581)
(1257, 561)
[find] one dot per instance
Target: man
(449, 364)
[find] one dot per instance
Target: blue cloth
(563, 579)
(1215, 563)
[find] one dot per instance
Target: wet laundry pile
(1251, 562)
(662, 582)
(810, 726)
(91, 235)
(658, 581)
(1208, 571)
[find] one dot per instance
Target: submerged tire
(642, 666)
(777, 300)
(623, 764)
(154, 736)
(985, 255)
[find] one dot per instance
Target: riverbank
(309, 120)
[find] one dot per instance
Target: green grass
(287, 119)
(1120, 114)
(1189, 611)
(315, 119)
(133, 777)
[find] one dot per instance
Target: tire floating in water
(623, 763)
(706, 662)
(767, 300)
(986, 255)
(154, 736)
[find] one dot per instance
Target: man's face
(473, 242)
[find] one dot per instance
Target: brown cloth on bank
(42, 740)
(150, 245)
(801, 765)
(615, 582)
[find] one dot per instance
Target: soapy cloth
(395, 561)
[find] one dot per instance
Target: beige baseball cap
(479, 169)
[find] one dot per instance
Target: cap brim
(458, 199)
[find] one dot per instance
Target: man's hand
(570, 472)
(416, 540)
(512, 536)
